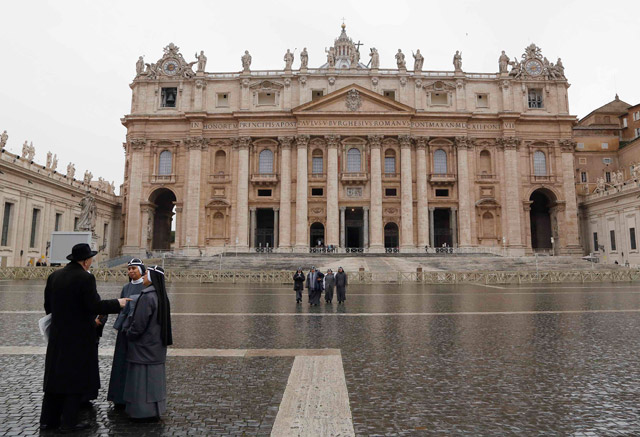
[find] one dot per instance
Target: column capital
(137, 143)
(241, 142)
(365, 208)
(343, 208)
(302, 141)
(276, 209)
(508, 143)
(432, 208)
(463, 143)
(332, 141)
(285, 142)
(252, 209)
(375, 141)
(567, 146)
(454, 209)
(421, 142)
(405, 141)
(196, 143)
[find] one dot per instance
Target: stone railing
(163, 179)
(542, 178)
(264, 178)
(354, 177)
(613, 190)
(219, 178)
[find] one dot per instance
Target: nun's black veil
(164, 308)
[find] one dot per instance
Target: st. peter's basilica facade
(349, 156)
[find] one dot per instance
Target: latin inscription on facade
(213, 126)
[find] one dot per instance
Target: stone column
(431, 227)
(285, 193)
(377, 238)
(252, 228)
(132, 242)
(454, 227)
(276, 214)
(332, 190)
(342, 210)
(406, 203)
(462, 146)
(570, 231)
(512, 188)
(242, 193)
(366, 227)
(422, 193)
(302, 240)
(195, 146)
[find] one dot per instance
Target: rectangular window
(583, 176)
(595, 242)
(389, 164)
(440, 98)
(391, 94)
(169, 97)
(222, 100)
(607, 177)
(316, 165)
(624, 122)
(267, 98)
(34, 227)
(582, 160)
(56, 227)
(6, 220)
(75, 224)
(606, 161)
(637, 132)
(482, 101)
(612, 234)
(580, 146)
(264, 193)
(632, 238)
(316, 94)
(605, 145)
(390, 192)
(535, 98)
(317, 191)
(442, 192)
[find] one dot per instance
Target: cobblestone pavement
(542, 360)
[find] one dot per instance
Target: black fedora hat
(80, 252)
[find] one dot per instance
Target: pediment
(353, 99)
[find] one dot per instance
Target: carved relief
(332, 140)
(375, 141)
(354, 192)
(567, 145)
(508, 143)
(137, 143)
(302, 141)
(353, 101)
(196, 143)
(285, 142)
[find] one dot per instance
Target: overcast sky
(66, 76)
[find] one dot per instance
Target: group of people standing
(317, 282)
(78, 316)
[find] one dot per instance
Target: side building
(608, 181)
(349, 156)
(37, 200)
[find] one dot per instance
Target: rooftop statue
(246, 60)
(87, 177)
(457, 61)
(202, 61)
(140, 66)
(402, 64)
(288, 60)
(304, 58)
(54, 163)
(419, 61)
(503, 63)
(3, 139)
(49, 158)
(375, 58)
(71, 170)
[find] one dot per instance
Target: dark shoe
(82, 426)
(47, 427)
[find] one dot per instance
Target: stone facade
(349, 156)
(37, 200)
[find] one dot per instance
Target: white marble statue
(288, 60)
(3, 139)
(402, 64)
(87, 177)
(71, 170)
(87, 219)
(304, 58)
(202, 61)
(418, 61)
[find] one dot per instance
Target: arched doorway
(316, 235)
(540, 216)
(163, 233)
(391, 235)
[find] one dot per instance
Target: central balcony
(264, 179)
(354, 178)
(219, 178)
(318, 177)
(442, 178)
(163, 179)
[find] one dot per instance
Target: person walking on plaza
(71, 364)
(135, 270)
(298, 284)
(314, 285)
(329, 282)
(148, 332)
(341, 285)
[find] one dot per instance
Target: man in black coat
(71, 366)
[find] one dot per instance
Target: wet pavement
(418, 359)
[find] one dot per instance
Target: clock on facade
(170, 67)
(533, 67)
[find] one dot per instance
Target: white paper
(45, 325)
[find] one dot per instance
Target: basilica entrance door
(316, 233)
(354, 225)
(540, 217)
(161, 233)
(442, 227)
(264, 227)
(391, 236)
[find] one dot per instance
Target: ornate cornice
(332, 141)
(508, 143)
(193, 143)
(137, 143)
(244, 142)
(463, 143)
(567, 146)
(421, 142)
(285, 142)
(405, 141)
(375, 141)
(302, 141)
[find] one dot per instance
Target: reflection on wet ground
(535, 359)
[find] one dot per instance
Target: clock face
(533, 67)
(170, 67)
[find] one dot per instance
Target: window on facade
(56, 226)
(632, 238)
(266, 162)
(105, 231)
(317, 191)
(267, 98)
(316, 94)
(595, 242)
(75, 223)
(390, 192)
(164, 164)
(607, 161)
(612, 235)
(264, 193)
(580, 146)
(441, 192)
(482, 101)
(539, 163)
(219, 162)
(316, 162)
(605, 145)
(391, 94)
(607, 177)
(582, 160)
(34, 227)
(169, 97)
(624, 122)
(440, 162)
(390, 161)
(488, 225)
(6, 220)
(485, 162)
(222, 100)
(439, 98)
(583, 176)
(637, 132)
(354, 160)
(535, 98)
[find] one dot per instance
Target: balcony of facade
(486, 177)
(536, 179)
(317, 177)
(442, 178)
(354, 178)
(219, 178)
(390, 177)
(264, 179)
(163, 179)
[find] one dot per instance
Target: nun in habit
(135, 270)
(149, 334)
(298, 284)
(329, 283)
(314, 286)
(341, 285)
